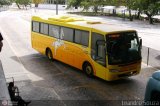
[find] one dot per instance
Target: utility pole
(56, 7)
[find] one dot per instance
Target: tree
(94, 4)
(137, 6)
(129, 4)
(37, 2)
(26, 2)
(85, 5)
(22, 2)
(74, 3)
(150, 8)
(115, 3)
(5, 2)
(61, 1)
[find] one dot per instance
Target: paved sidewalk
(4, 95)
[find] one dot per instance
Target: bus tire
(49, 54)
(87, 68)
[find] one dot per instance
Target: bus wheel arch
(88, 69)
(49, 53)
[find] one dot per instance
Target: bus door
(98, 54)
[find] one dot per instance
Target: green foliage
(115, 2)
(22, 2)
(74, 3)
(61, 1)
(5, 2)
(149, 7)
(85, 5)
(95, 4)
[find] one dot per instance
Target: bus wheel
(88, 70)
(49, 54)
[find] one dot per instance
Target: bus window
(67, 34)
(123, 48)
(35, 26)
(98, 52)
(82, 37)
(44, 28)
(54, 31)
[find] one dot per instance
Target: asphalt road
(41, 79)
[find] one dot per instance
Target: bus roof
(74, 22)
(103, 27)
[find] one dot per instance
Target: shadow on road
(56, 78)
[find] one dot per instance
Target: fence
(151, 57)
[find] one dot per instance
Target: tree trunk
(138, 15)
(114, 11)
(130, 15)
(36, 5)
(18, 6)
(150, 19)
(95, 9)
(102, 9)
(124, 15)
(25, 6)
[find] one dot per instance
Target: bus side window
(44, 28)
(67, 34)
(35, 26)
(54, 31)
(81, 37)
(98, 51)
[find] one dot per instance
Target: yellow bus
(99, 49)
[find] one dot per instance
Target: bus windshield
(123, 48)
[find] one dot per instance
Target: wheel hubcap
(88, 70)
